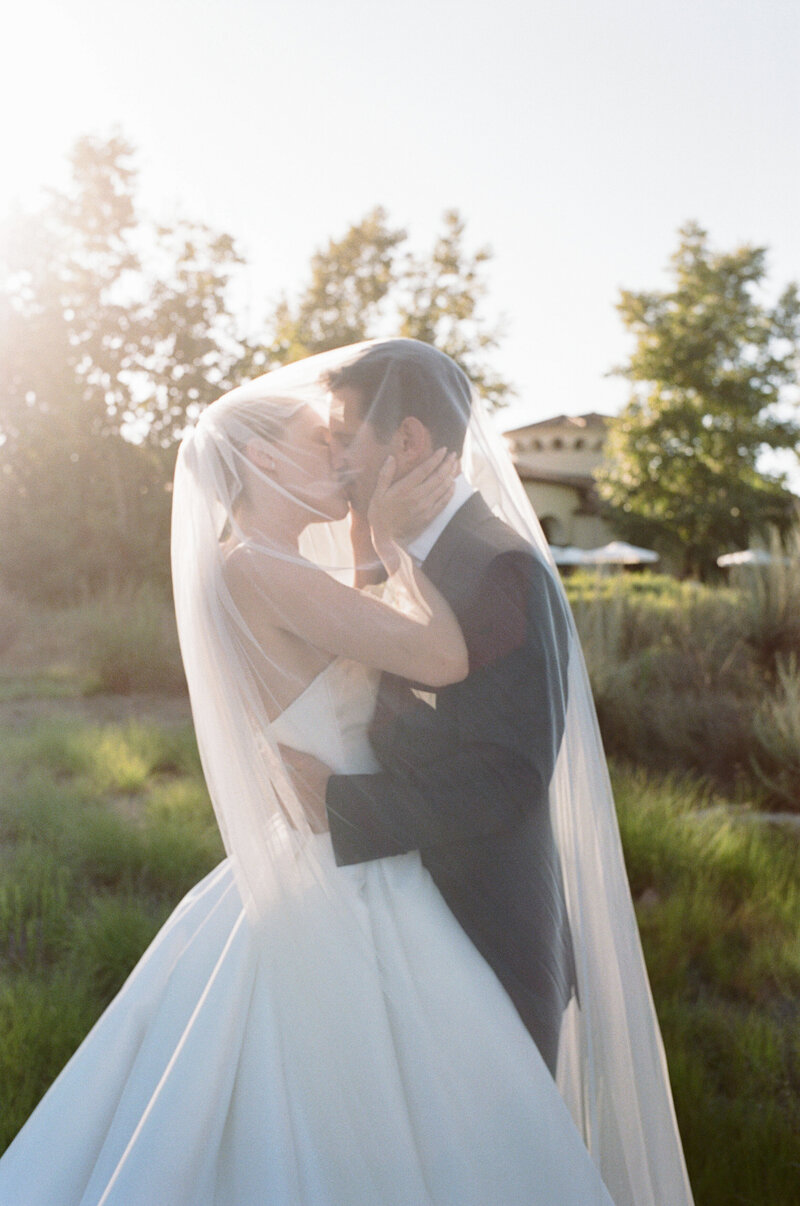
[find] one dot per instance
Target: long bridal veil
(612, 1071)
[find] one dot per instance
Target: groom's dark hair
(404, 377)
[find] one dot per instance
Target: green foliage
(689, 676)
(123, 641)
(115, 333)
(709, 371)
(109, 326)
(363, 286)
(440, 303)
(12, 618)
(112, 937)
(740, 1139)
(102, 829)
(776, 732)
(770, 600)
(718, 900)
(33, 896)
(133, 315)
(718, 904)
(342, 301)
(43, 1018)
(130, 641)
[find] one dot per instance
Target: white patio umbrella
(567, 554)
(619, 552)
(746, 557)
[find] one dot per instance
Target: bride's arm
(424, 643)
(426, 646)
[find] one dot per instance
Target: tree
(710, 372)
(115, 332)
(342, 302)
(367, 284)
(108, 325)
(189, 347)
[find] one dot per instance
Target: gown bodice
(330, 718)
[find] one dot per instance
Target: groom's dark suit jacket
(466, 782)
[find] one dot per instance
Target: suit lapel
(446, 566)
(451, 573)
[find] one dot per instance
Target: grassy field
(105, 823)
(103, 827)
(718, 901)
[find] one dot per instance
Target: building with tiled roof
(555, 459)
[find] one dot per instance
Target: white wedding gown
(289, 1065)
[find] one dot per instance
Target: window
(551, 526)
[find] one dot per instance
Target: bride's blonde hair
(236, 423)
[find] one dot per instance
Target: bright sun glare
(48, 96)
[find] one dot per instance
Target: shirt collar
(420, 547)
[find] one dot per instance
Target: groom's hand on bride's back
(309, 778)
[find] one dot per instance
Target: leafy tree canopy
(368, 284)
(712, 372)
(108, 325)
(121, 322)
(116, 331)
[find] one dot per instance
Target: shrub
(664, 728)
(130, 641)
(669, 671)
(12, 616)
(33, 908)
(776, 737)
(770, 601)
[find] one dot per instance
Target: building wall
(559, 511)
(561, 453)
(572, 447)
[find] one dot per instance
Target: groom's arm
(482, 789)
(499, 768)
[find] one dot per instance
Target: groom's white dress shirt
(422, 544)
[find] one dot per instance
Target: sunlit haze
(574, 138)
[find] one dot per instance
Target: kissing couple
(416, 977)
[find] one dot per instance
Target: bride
(306, 1034)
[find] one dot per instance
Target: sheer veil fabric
(611, 1068)
(329, 1018)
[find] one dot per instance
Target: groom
(466, 781)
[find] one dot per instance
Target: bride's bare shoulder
(251, 572)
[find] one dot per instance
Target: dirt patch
(170, 710)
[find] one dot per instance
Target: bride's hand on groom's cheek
(401, 508)
(309, 778)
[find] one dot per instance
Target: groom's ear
(411, 443)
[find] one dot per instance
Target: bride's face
(358, 454)
(301, 465)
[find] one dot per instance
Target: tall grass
(718, 902)
(102, 830)
(776, 736)
(699, 678)
(123, 640)
(769, 597)
(130, 641)
(104, 827)
(12, 618)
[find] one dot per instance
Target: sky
(574, 136)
